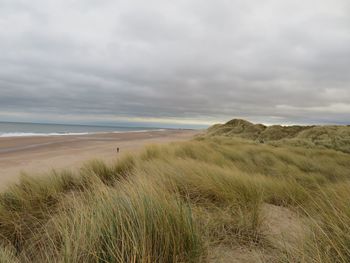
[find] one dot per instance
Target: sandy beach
(36, 155)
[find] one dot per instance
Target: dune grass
(130, 223)
(178, 202)
(329, 137)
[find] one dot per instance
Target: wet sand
(37, 155)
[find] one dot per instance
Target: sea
(16, 129)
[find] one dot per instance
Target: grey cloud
(262, 60)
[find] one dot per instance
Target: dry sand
(36, 155)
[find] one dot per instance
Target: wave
(30, 134)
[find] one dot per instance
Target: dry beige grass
(212, 199)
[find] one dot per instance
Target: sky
(182, 63)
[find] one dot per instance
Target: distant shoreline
(25, 134)
(13, 129)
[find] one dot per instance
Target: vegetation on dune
(331, 137)
(188, 202)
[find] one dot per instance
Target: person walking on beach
(117, 149)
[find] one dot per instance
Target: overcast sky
(180, 61)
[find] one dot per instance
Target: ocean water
(12, 129)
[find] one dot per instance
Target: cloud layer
(198, 61)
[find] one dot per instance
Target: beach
(36, 155)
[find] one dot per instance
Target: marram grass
(179, 202)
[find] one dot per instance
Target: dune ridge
(335, 137)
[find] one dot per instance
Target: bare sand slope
(36, 155)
